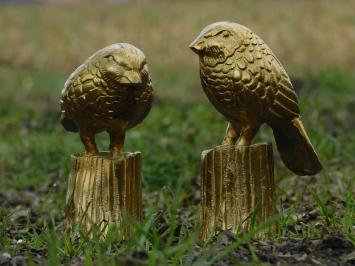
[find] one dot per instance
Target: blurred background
(42, 42)
(55, 38)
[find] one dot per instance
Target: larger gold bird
(245, 81)
(111, 91)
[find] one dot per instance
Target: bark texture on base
(101, 189)
(237, 184)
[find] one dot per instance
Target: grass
(44, 43)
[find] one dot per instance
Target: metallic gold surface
(237, 181)
(245, 81)
(101, 189)
(111, 91)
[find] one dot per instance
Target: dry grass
(304, 34)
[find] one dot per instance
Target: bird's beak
(131, 77)
(197, 45)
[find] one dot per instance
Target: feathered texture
(295, 148)
(68, 124)
(111, 91)
(245, 81)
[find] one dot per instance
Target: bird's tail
(295, 148)
(68, 124)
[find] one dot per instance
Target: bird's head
(123, 64)
(216, 42)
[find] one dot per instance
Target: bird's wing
(85, 93)
(142, 105)
(263, 79)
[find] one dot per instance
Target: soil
(330, 249)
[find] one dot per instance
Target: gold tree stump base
(237, 188)
(102, 189)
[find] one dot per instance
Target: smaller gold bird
(248, 85)
(111, 91)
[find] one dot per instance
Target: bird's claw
(87, 153)
(227, 141)
(117, 154)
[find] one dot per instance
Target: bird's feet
(88, 140)
(232, 134)
(242, 141)
(117, 154)
(247, 135)
(228, 141)
(116, 144)
(91, 150)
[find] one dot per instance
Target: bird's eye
(226, 34)
(110, 57)
(122, 64)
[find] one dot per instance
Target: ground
(40, 47)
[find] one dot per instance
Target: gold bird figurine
(245, 82)
(111, 91)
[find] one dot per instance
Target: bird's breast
(221, 91)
